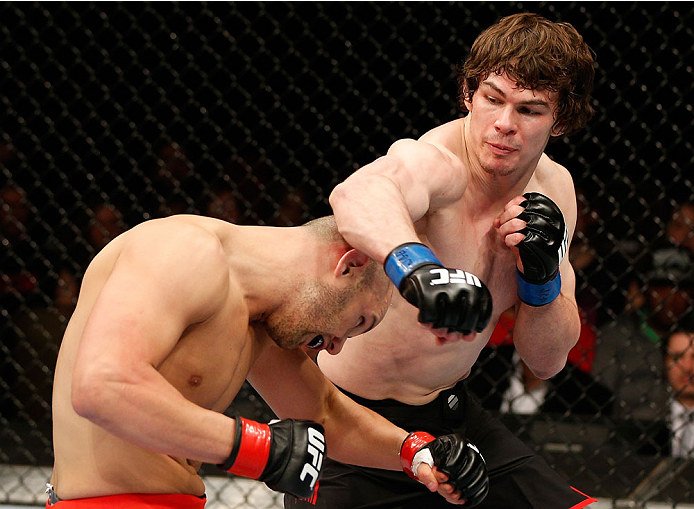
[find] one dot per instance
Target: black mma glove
(446, 298)
(542, 250)
(452, 455)
(286, 455)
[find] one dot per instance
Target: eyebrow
(532, 102)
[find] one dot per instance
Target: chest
(471, 242)
(210, 362)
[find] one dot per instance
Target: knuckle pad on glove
(448, 299)
(538, 254)
(410, 292)
(464, 466)
(444, 311)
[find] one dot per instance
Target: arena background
(115, 113)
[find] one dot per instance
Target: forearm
(359, 436)
(148, 412)
(354, 434)
(544, 335)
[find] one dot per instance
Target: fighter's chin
(286, 342)
(286, 345)
(498, 170)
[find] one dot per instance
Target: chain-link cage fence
(252, 112)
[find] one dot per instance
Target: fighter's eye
(316, 342)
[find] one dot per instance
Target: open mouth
(316, 342)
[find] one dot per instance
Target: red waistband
(127, 501)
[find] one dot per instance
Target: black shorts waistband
(448, 408)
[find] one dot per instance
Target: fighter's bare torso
(401, 360)
(207, 365)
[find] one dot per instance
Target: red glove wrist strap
(252, 450)
(412, 444)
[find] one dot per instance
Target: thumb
(426, 476)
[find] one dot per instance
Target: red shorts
(127, 501)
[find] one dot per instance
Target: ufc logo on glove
(316, 449)
(447, 276)
(286, 455)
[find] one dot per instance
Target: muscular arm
(544, 335)
(294, 387)
(162, 282)
(375, 208)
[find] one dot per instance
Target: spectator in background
(629, 358)
(175, 184)
(584, 258)
(26, 277)
(14, 212)
(66, 290)
(223, 204)
(680, 228)
(105, 225)
(252, 175)
(599, 266)
(19, 282)
(105, 222)
(33, 303)
(678, 352)
(173, 164)
(292, 207)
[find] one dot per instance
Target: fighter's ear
(350, 263)
(557, 131)
(467, 99)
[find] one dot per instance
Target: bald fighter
(172, 317)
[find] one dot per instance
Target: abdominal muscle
(401, 360)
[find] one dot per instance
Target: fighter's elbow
(85, 398)
(92, 395)
(340, 194)
(381, 174)
(547, 370)
(354, 186)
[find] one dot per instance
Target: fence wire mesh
(115, 113)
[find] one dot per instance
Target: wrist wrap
(405, 258)
(410, 447)
(538, 295)
(251, 449)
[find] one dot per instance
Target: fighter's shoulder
(554, 180)
(438, 151)
(190, 242)
(179, 229)
(552, 177)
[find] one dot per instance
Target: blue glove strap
(538, 295)
(404, 259)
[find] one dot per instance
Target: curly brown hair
(538, 55)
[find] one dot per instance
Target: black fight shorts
(518, 478)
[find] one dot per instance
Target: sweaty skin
(458, 190)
